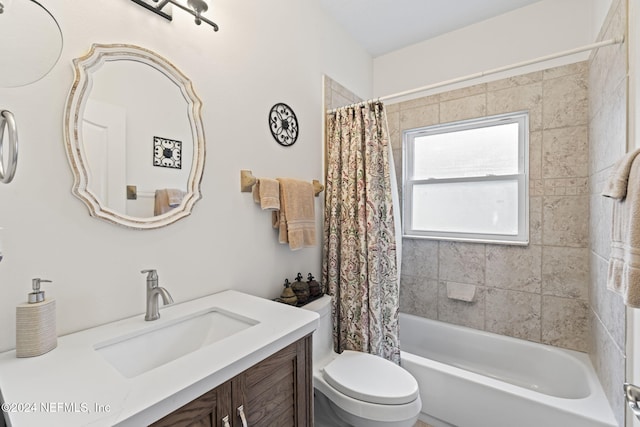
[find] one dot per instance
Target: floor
(421, 424)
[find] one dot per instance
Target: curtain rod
(616, 40)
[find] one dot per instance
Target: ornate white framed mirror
(134, 137)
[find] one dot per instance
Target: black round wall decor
(283, 124)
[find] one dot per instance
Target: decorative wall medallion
(283, 124)
(167, 153)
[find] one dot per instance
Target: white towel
(623, 276)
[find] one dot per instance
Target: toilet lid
(371, 379)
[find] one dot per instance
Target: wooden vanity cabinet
(277, 391)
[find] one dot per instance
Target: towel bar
(247, 181)
(8, 169)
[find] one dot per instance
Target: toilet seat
(370, 378)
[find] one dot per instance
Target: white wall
(542, 28)
(264, 53)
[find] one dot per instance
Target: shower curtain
(360, 263)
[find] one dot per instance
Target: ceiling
(382, 26)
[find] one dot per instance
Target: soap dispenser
(36, 332)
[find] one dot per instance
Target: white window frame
(522, 177)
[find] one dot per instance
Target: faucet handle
(152, 275)
(152, 278)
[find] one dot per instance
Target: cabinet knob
(242, 416)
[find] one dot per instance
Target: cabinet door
(207, 410)
(278, 390)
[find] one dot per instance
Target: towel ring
(8, 120)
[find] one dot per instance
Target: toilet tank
(323, 336)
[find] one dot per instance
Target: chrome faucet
(153, 290)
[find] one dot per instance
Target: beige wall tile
(513, 313)
(338, 89)
(470, 314)
(535, 155)
(565, 221)
(565, 152)
(521, 80)
(514, 267)
(420, 258)
(535, 220)
(536, 187)
(565, 322)
(395, 135)
(465, 92)
(565, 272)
(565, 101)
(463, 108)
(328, 91)
(419, 117)
(608, 131)
(566, 186)
(608, 361)
(601, 210)
(397, 162)
(565, 70)
(419, 102)
(419, 296)
(611, 311)
(392, 108)
(609, 64)
(462, 262)
(518, 98)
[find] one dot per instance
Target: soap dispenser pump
(36, 332)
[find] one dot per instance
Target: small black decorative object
(167, 153)
(314, 287)
(301, 289)
(288, 296)
(283, 124)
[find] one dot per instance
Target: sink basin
(136, 353)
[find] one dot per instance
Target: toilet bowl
(358, 389)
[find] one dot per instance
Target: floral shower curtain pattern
(359, 264)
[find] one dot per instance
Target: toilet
(355, 388)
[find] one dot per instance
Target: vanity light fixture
(193, 7)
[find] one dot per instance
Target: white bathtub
(471, 378)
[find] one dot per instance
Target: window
(468, 180)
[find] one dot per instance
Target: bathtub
(471, 378)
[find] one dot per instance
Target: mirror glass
(134, 137)
(31, 42)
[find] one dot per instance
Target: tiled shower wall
(607, 143)
(538, 292)
(336, 95)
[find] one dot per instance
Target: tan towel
(296, 218)
(266, 192)
(175, 196)
(167, 199)
(623, 276)
(616, 187)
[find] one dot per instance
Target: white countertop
(73, 385)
